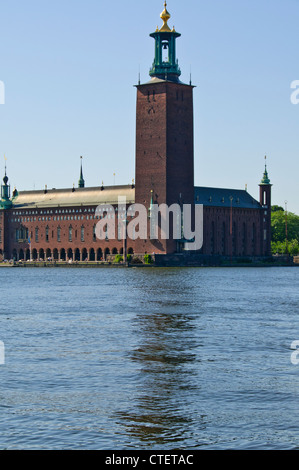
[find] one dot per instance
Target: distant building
(61, 223)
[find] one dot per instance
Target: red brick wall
(164, 150)
(245, 239)
(265, 200)
(49, 218)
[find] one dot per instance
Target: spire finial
(265, 179)
(5, 179)
(165, 17)
(81, 182)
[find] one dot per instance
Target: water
(149, 359)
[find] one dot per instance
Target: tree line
(285, 231)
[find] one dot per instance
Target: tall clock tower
(164, 136)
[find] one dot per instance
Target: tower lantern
(165, 66)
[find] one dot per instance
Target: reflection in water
(150, 359)
(166, 352)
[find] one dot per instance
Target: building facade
(62, 224)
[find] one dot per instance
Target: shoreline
(107, 264)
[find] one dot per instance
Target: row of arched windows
(66, 254)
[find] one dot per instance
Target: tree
(278, 226)
(284, 240)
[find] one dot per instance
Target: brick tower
(265, 201)
(164, 136)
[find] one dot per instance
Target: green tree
(284, 241)
(148, 259)
(293, 247)
(278, 226)
(281, 247)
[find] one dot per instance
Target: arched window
(62, 254)
(77, 254)
(99, 254)
(92, 255)
(84, 255)
(55, 254)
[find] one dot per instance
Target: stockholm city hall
(60, 224)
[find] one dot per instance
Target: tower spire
(265, 179)
(5, 191)
(81, 183)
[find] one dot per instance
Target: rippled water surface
(148, 359)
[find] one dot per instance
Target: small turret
(265, 188)
(265, 201)
(5, 193)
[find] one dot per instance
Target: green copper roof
(5, 202)
(265, 179)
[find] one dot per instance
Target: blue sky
(69, 69)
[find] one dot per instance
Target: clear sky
(70, 66)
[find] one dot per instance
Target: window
(36, 234)
(70, 233)
(47, 233)
(58, 234)
(82, 234)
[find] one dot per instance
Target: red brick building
(61, 223)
